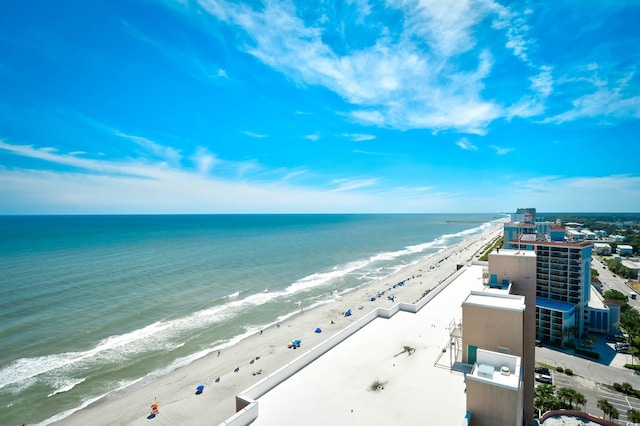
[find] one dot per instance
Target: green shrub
(568, 371)
(559, 369)
(635, 367)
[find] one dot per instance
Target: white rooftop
(496, 300)
(370, 378)
(595, 299)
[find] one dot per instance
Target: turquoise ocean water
(96, 304)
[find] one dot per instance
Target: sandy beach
(266, 351)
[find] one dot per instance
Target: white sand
(175, 392)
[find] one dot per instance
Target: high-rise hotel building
(563, 279)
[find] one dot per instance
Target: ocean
(91, 305)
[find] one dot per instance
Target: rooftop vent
(504, 370)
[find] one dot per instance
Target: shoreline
(266, 351)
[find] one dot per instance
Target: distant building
(563, 280)
(633, 264)
(526, 215)
(575, 235)
(602, 249)
(624, 250)
(556, 233)
(599, 314)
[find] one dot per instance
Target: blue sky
(350, 106)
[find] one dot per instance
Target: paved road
(610, 280)
(595, 379)
(594, 391)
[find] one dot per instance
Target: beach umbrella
(199, 389)
(318, 330)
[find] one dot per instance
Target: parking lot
(594, 391)
(594, 379)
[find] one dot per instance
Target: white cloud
(358, 137)
(446, 27)
(135, 186)
(409, 76)
(255, 135)
(604, 102)
(204, 160)
(500, 150)
(169, 154)
(140, 186)
(313, 137)
(578, 194)
(533, 104)
(351, 184)
(466, 145)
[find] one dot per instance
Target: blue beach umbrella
(199, 389)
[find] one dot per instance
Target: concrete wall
(490, 329)
(492, 405)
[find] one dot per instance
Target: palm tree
(565, 394)
(545, 399)
(613, 413)
(633, 415)
(605, 406)
(579, 399)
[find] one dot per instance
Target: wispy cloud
(351, 184)
(612, 98)
(501, 150)
(312, 137)
(533, 103)
(169, 154)
(407, 76)
(204, 160)
(185, 57)
(358, 137)
(561, 193)
(466, 145)
(255, 135)
(138, 186)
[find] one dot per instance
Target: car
(544, 378)
(622, 348)
(543, 370)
